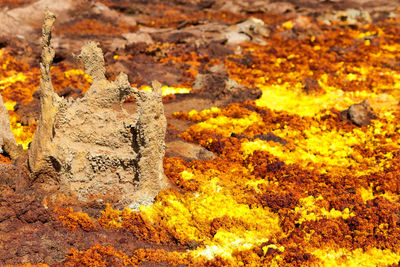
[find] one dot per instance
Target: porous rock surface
(91, 147)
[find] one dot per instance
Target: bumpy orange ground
(330, 196)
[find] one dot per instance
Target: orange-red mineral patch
(94, 27)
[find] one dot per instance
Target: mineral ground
(282, 144)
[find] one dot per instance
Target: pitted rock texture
(92, 147)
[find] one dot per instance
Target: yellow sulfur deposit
(168, 90)
(308, 210)
(189, 216)
(69, 74)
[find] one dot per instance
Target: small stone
(193, 244)
(251, 30)
(360, 114)
(236, 38)
(312, 86)
(271, 137)
(142, 37)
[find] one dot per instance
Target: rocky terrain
(281, 133)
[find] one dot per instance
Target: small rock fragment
(140, 37)
(312, 86)
(360, 114)
(236, 38)
(265, 137)
(239, 136)
(271, 137)
(349, 16)
(250, 30)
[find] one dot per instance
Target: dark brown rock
(216, 85)
(239, 136)
(312, 86)
(265, 137)
(271, 137)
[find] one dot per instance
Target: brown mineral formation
(92, 147)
